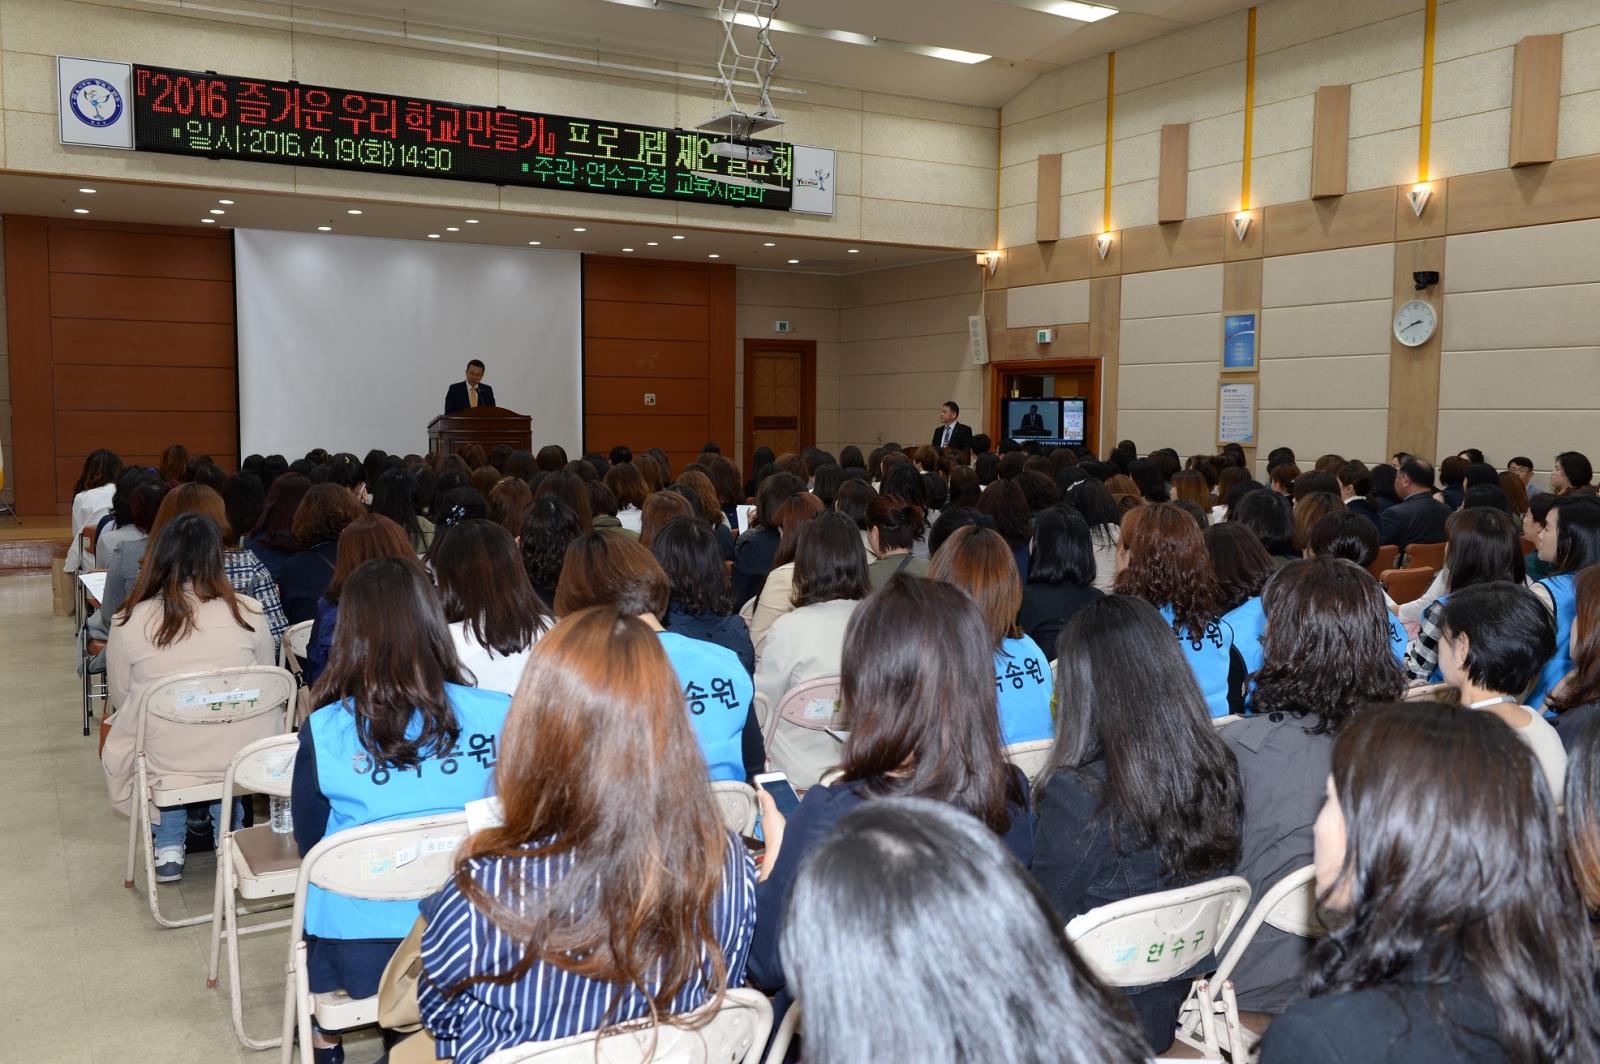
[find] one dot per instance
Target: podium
(486, 426)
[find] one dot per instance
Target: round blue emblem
(96, 103)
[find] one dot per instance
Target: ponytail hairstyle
(899, 523)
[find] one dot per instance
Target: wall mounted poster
(1236, 414)
(1239, 343)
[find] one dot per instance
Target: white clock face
(1415, 323)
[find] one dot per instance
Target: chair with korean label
(735, 1034)
(1154, 938)
(805, 735)
(253, 864)
(737, 803)
(1030, 756)
(813, 705)
(210, 699)
(1289, 905)
(393, 860)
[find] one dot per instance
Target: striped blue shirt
(547, 1003)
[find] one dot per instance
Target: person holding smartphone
(922, 726)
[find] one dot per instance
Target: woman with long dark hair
(776, 596)
(183, 616)
(1139, 794)
(1267, 514)
(272, 539)
(1101, 513)
(494, 615)
(393, 496)
(1060, 576)
(978, 562)
(754, 551)
(1242, 566)
(910, 933)
(1462, 937)
(580, 912)
(1568, 542)
(399, 734)
(1581, 824)
(1007, 509)
(548, 527)
(91, 500)
(701, 606)
(1325, 654)
(1576, 701)
(1162, 559)
(922, 726)
(1482, 546)
(321, 516)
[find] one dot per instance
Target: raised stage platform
(33, 546)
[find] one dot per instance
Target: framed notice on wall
(1236, 414)
(1239, 343)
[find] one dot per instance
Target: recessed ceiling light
(352, 210)
(794, 262)
(433, 236)
(534, 243)
(579, 229)
(769, 244)
(852, 251)
(87, 191)
(678, 237)
(627, 249)
(652, 243)
(218, 210)
(324, 228)
(713, 255)
(452, 229)
(472, 221)
(226, 202)
(1082, 12)
(80, 210)
(209, 221)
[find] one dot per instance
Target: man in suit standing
(463, 395)
(1418, 517)
(1032, 422)
(951, 432)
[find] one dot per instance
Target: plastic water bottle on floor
(282, 821)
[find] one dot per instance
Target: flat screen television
(1048, 420)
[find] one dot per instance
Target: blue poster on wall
(1239, 342)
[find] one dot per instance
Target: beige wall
(909, 171)
(1520, 373)
(1170, 356)
(5, 387)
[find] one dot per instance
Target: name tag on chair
(821, 708)
(191, 699)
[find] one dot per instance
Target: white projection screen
(349, 342)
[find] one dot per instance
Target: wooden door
(779, 396)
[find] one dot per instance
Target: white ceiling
(1023, 42)
(112, 201)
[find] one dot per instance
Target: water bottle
(282, 820)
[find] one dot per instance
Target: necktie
(946, 441)
(472, 395)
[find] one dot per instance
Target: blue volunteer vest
(1563, 590)
(1024, 689)
(1209, 658)
(359, 792)
(1399, 642)
(718, 692)
(1249, 623)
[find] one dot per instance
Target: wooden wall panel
(1322, 225)
(1172, 188)
(665, 329)
(1330, 142)
(1047, 200)
(1535, 100)
(121, 337)
(1194, 242)
(1414, 371)
(1105, 334)
(1564, 191)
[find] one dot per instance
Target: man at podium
(472, 392)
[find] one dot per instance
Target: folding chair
(1156, 937)
(215, 698)
(1030, 756)
(783, 1036)
(735, 1034)
(393, 860)
(1289, 905)
(95, 685)
(737, 803)
(252, 863)
(813, 705)
(805, 730)
(296, 638)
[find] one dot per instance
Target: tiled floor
(86, 976)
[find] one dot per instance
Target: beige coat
(772, 603)
(803, 644)
(178, 755)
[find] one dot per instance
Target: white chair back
(1156, 937)
(296, 638)
(735, 1034)
(217, 696)
(393, 860)
(737, 803)
(266, 766)
(1030, 756)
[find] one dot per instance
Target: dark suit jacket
(1419, 519)
(456, 398)
(960, 437)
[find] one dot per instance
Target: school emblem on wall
(96, 103)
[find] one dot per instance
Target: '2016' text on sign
(218, 116)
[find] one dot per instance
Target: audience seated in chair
(701, 604)
(1482, 546)
(1139, 793)
(272, 539)
(494, 616)
(776, 596)
(1569, 542)
(365, 538)
(1576, 700)
(305, 574)
(91, 500)
(1060, 576)
(894, 526)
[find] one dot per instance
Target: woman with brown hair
(581, 912)
(321, 516)
(893, 528)
(493, 614)
(615, 572)
(91, 500)
(1190, 485)
(710, 503)
(627, 484)
(922, 725)
(1576, 701)
(659, 508)
(182, 617)
(806, 643)
(1307, 512)
(756, 546)
(174, 464)
(978, 562)
(1162, 559)
(272, 539)
(776, 597)
(569, 488)
(365, 538)
(507, 500)
(1003, 503)
(398, 734)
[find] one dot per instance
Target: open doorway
(1066, 378)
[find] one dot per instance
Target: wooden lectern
(486, 426)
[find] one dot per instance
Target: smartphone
(777, 784)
